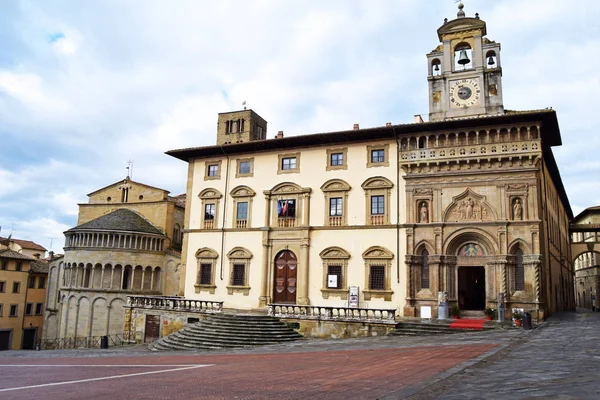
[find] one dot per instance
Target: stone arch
(239, 252)
(378, 252)
(210, 193)
(334, 252)
(288, 188)
(335, 185)
(424, 245)
(157, 284)
(456, 240)
(51, 327)
(469, 206)
(99, 316)
(242, 191)
(377, 182)
(83, 317)
(206, 252)
(116, 316)
(519, 244)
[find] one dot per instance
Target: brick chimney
(51, 255)
(279, 135)
(356, 127)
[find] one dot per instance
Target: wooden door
(152, 331)
(28, 338)
(286, 267)
(5, 340)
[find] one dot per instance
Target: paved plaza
(556, 360)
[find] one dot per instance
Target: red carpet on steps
(464, 323)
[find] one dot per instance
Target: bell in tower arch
(463, 58)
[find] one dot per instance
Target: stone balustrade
(174, 304)
(381, 315)
(468, 151)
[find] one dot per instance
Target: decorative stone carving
(423, 192)
(469, 207)
(424, 213)
(517, 209)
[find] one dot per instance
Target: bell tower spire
(465, 74)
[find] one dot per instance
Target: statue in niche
(517, 210)
(469, 208)
(424, 213)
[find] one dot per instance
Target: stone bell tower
(464, 72)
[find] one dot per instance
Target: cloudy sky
(86, 86)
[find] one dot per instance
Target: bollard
(526, 320)
(104, 342)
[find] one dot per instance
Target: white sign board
(353, 298)
(332, 281)
(426, 312)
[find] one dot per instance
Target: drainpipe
(397, 206)
(224, 212)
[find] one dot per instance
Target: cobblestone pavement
(558, 360)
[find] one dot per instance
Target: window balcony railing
(336, 221)
(241, 223)
(286, 222)
(209, 224)
(377, 219)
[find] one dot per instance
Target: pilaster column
(151, 279)
(304, 265)
(305, 209)
(143, 276)
(102, 278)
(263, 300)
(92, 277)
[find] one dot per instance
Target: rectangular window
(239, 275)
(1, 309)
(377, 277)
(209, 212)
(28, 308)
(39, 308)
(288, 163)
(205, 274)
(4, 265)
(19, 266)
(242, 211)
(213, 170)
(378, 156)
(377, 205)
(16, 287)
(41, 282)
(286, 208)
(31, 282)
(14, 310)
(334, 276)
(335, 207)
(244, 167)
(337, 159)
(2, 287)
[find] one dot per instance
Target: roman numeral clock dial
(465, 93)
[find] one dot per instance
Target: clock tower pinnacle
(465, 73)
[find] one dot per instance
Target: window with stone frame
(19, 266)
(31, 282)
(335, 272)
(41, 282)
(39, 308)
(288, 163)
(239, 265)
(242, 206)
(1, 309)
(337, 159)
(425, 273)
(336, 202)
(2, 286)
(288, 205)
(519, 271)
(210, 199)
(206, 259)
(16, 287)
(245, 167)
(28, 308)
(212, 170)
(3, 265)
(378, 192)
(378, 155)
(14, 310)
(378, 270)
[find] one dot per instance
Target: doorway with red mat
(471, 288)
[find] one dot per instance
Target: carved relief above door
(469, 206)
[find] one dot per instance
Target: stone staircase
(437, 327)
(219, 331)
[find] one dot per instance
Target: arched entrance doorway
(286, 268)
(471, 277)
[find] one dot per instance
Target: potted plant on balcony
(455, 311)
(489, 313)
(518, 317)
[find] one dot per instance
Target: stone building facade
(470, 203)
(127, 241)
(585, 250)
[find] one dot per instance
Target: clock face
(464, 93)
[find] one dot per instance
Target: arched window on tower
(519, 270)
(424, 269)
(463, 57)
(491, 60)
(436, 67)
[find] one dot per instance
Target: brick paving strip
(357, 374)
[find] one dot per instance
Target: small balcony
(241, 223)
(209, 224)
(377, 220)
(336, 220)
(286, 222)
